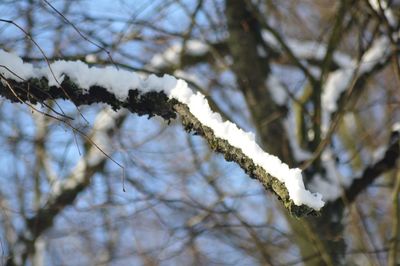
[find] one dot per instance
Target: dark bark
(371, 173)
(151, 104)
(251, 72)
(315, 237)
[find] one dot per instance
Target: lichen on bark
(151, 104)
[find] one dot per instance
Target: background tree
(317, 81)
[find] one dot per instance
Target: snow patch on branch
(396, 127)
(105, 121)
(340, 80)
(387, 12)
(332, 186)
(119, 82)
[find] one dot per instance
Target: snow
(119, 82)
(104, 122)
(14, 63)
(337, 82)
(340, 80)
(91, 58)
(386, 10)
(396, 127)
(110, 78)
(332, 184)
(171, 55)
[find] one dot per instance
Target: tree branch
(64, 192)
(371, 173)
(151, 103)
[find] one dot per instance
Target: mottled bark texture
(151, 104)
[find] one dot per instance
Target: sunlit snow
(119, 82)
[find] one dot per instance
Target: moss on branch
(151, 104)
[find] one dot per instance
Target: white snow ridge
(119, 82)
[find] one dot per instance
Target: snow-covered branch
(164, 96)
